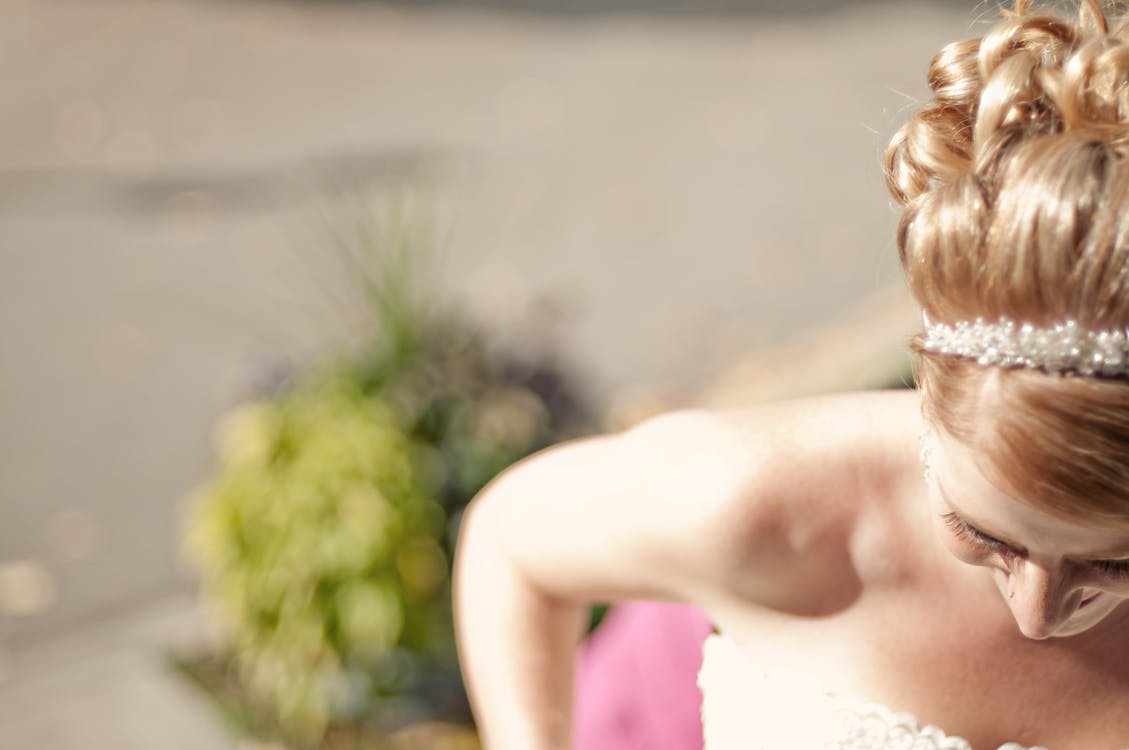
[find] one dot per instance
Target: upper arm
(692, 505)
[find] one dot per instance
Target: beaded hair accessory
(1064, 348)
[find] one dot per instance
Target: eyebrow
(1121, 555)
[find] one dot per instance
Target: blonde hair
(1014, 182)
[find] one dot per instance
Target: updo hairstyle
(1014, 183)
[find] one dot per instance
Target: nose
(1041, 597)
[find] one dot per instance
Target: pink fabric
(636, 680)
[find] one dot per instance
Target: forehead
(966, 489)
(1058, 444)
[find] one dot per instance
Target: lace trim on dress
(873, 726)
(746, 709)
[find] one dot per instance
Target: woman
(855, 605)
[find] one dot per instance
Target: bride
(857, 604)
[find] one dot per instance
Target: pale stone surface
(107, 685)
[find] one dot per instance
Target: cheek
(1117, 588)
(1113, 586)
(966, 555)
(1103, 607)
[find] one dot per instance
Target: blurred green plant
(321, 551)
(324, 536)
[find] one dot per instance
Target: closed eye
(1112, 568)
(964, 530)
(967, 532)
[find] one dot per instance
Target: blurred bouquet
(324, 537)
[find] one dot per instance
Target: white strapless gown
(745, 709)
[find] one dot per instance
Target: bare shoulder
(819, 476)
(758, 504)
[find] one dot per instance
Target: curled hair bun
(1034, 74)
(1014, 182)
(1013, 176)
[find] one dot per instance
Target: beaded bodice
(744, 709)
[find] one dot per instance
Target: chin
(1064, 631)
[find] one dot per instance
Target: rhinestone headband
(1066, 347)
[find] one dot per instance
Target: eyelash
(966, 532)
(1112, 568)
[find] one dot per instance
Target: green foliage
(320, 550)
(325, 534)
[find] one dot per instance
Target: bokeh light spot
(26, 588)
